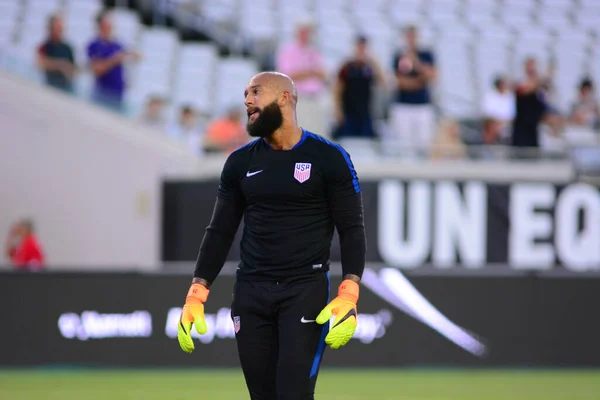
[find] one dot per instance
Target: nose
(248, 100)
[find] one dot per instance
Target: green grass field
(337, 384)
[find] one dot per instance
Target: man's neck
(285, 138)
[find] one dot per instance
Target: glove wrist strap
(349, 290)
(198, 292)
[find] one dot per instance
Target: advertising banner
(131, 320)
(444, 224)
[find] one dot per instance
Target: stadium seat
(10, 9)
(233, 75)
(159, 43)
(219, 11)
(479, 20)
(490, 58)
(569, 72)
(297, 5)
(456, 89)
(126, 26)
(371, 5)
(515, 18)
(589, 20)
(89, 7)
(265, 30)
(195, 76)
(331, 5)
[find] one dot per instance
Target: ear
(285, 98)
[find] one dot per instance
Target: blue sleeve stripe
(346, 158)
(321, 348)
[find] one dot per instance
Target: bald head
(277, 82)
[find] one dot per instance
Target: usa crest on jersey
(236, 324)
(302, 172)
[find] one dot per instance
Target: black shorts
(279, 343)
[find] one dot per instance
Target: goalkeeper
(292, 188)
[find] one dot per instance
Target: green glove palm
(192, 314)
(343, 307)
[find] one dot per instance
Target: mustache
(252, 110)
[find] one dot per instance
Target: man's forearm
(410, 83)
(201, 281)
(101, 67)
(352, 277)
(217, 240)
(353, 248)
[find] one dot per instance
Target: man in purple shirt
(106, 60)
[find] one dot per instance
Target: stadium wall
(432, 226)
(90, 179)
(404, 320)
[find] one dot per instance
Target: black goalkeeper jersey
(291, 201)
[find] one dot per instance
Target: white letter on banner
(527, 225)
(579, 251)
(400, 248)
(460, 225)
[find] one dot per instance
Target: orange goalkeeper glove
(192, 313)
(343, 307)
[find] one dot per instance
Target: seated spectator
(226, 134)
(186, 129)
(585, 111)
(152, 116)
(23, 247)
(56, 58)
(303, 62)
(353, 94)
(498, 110)
(448, 144)
(107, 58)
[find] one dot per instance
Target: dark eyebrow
(251, 87)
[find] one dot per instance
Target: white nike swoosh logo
(249, 174)
(307, 321)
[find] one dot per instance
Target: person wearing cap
(303, 63)
(353, 93)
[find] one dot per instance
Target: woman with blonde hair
(448, 143)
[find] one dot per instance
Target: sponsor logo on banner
(302, 172)
(220, 326)
(393, 287)
(94, 325)
(534, 226)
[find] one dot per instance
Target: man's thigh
(255, 324)
(301, 339)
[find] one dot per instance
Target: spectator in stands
(585, 111)
(531, 106)
(498, 110)
(412, 117)
(353, 93)
(186, 129)
(448, 143)
(23, 247)
(304, 64)
(226, 134)
(56, 58)
(153, 117)
(107, 58)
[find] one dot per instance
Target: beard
(269, 120)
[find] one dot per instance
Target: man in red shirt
(23, 247)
